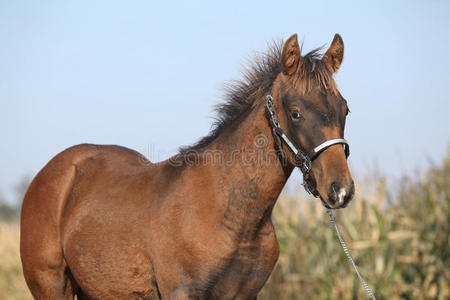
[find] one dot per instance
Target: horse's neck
(252, 175)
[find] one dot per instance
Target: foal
(101, 222)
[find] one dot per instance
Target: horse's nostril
(334, 186)
(333, 192)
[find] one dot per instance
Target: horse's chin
(311, 188)
(328, 205)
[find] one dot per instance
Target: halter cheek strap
(303, 159)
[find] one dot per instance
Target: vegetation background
(399, 238)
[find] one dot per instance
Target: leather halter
(303, 159)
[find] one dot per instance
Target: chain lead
(347, 253)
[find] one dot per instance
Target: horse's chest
(248, 270)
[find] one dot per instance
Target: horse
(102, 222)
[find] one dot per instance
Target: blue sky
(146, 74)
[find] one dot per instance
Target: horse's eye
(295, 114)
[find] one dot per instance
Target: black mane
(257, 81)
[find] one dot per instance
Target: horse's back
(52, 198)
(49, 190)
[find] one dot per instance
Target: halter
(303, 159)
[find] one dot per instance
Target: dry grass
(400, 241)
(12, 284)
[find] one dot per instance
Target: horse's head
(311, 111)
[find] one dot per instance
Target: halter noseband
(303, 159)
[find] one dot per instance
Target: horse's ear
(335, 54)
(290, 58)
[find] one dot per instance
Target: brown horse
(101, 222)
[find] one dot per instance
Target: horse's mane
(257, 81)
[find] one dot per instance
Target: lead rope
(347, 253)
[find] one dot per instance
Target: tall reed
(400, 240)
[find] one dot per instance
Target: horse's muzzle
(339, 194)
